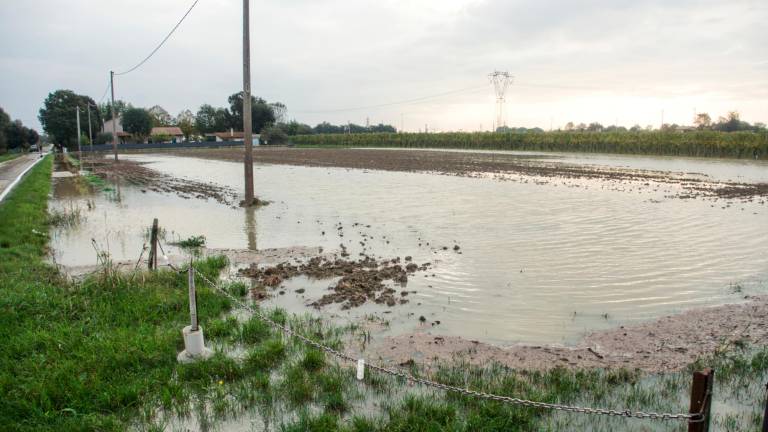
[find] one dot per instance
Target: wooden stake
(701, 399)
(153, 248)
(765, 414)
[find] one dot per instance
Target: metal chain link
(690, 417)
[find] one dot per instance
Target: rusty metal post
(153, 247)
(701, 400)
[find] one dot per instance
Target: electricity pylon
(501, 82)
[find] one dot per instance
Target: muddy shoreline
(666, 344)
(507, 167)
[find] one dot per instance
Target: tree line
(268, 118)
(731, 122)
(14, 136)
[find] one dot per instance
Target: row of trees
(268, 118)
(14, 135)
(731, 122)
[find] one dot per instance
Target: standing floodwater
(512, 261)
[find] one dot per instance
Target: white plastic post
(194, 341)
(360, 369)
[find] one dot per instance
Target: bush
(103, 138)
(274, 135)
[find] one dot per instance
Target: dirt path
(667, 344)
(499, 166)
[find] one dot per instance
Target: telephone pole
(79, 150)
(247, 126)
(114, 119)
(90, 129)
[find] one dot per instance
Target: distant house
(170, 133)
(122, 136)
(230, 136)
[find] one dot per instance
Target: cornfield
(748, 145)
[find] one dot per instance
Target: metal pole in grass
(701, 399)
(192, 299)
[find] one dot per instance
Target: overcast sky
(612, 61)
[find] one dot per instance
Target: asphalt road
(11, 169)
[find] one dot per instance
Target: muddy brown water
(538, 262)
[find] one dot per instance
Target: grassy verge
(8, 156)
(81, 356)
(101, 355)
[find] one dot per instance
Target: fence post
(765, 414)
(153, 247)
(701, 399)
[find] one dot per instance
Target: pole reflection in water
(250, 226)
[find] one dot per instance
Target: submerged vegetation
(750, 145)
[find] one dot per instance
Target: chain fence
(689, 417)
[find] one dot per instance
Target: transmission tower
(501, 82)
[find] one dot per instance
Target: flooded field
(536, 259)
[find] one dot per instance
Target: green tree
(703, 121)
(295, 128)
(17, 135)
(186, 122)
(160, 116)
(5, 121)
(210, 119)
(273, 135)
(32, 136)
(58, 116)
(105, 109)
(262, 113)
(103, 138)
(137, 122)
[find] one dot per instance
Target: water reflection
(250, 227)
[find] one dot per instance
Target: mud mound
(360, 281)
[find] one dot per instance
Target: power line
(402, 102)
(106, 90)
(161, 43)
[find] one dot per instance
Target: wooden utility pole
(90, 129)
(247, 126)
(701, 399)
(114, 119)
(79, 150)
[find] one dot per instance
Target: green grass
(10, 155)
(747, 145)
(82, 356)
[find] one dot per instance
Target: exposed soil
(359, 281)
(667, 344)
(498, 166)
(146, 178)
